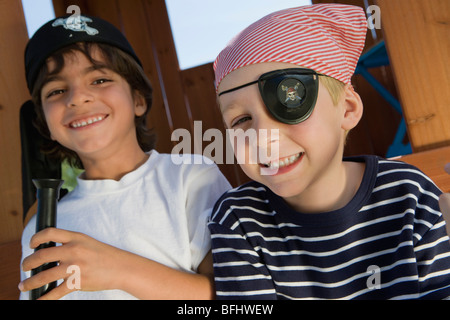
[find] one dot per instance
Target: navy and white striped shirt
(388, 242)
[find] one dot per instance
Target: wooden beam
(13, 93)
(432, 163)
(417, 36)
(10, 254)
(167, 61)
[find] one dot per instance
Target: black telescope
(47, 200)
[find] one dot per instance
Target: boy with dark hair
(137, 221)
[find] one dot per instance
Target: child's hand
(95, 261)
(444, 199)
(103, 267)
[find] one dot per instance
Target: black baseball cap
(63, 31)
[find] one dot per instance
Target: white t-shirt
(159, 211)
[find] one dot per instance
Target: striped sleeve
(431, 242)
(239, 273)
(433, 262)
(238, 269)
(419, 195)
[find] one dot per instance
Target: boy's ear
(140, 105)
(353, 108)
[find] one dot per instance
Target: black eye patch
(289, 94)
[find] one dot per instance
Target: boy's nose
(79, 96)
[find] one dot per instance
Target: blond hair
(335, 87)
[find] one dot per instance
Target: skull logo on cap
(76, 24)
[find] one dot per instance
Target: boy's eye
(101, 81)
(240, 121)
(55, 92)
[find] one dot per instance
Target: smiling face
(310, 153)
(90, 109)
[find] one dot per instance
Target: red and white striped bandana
(327, 38)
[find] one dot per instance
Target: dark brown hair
(115, 60)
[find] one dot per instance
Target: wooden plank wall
(13, 92)
(417, 33)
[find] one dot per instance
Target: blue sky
(201, 28)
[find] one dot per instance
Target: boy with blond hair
(313, 225)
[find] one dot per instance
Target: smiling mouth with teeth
(283, 162)
(85, 122)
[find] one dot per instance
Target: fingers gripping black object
(289, 94)
(47, 195)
